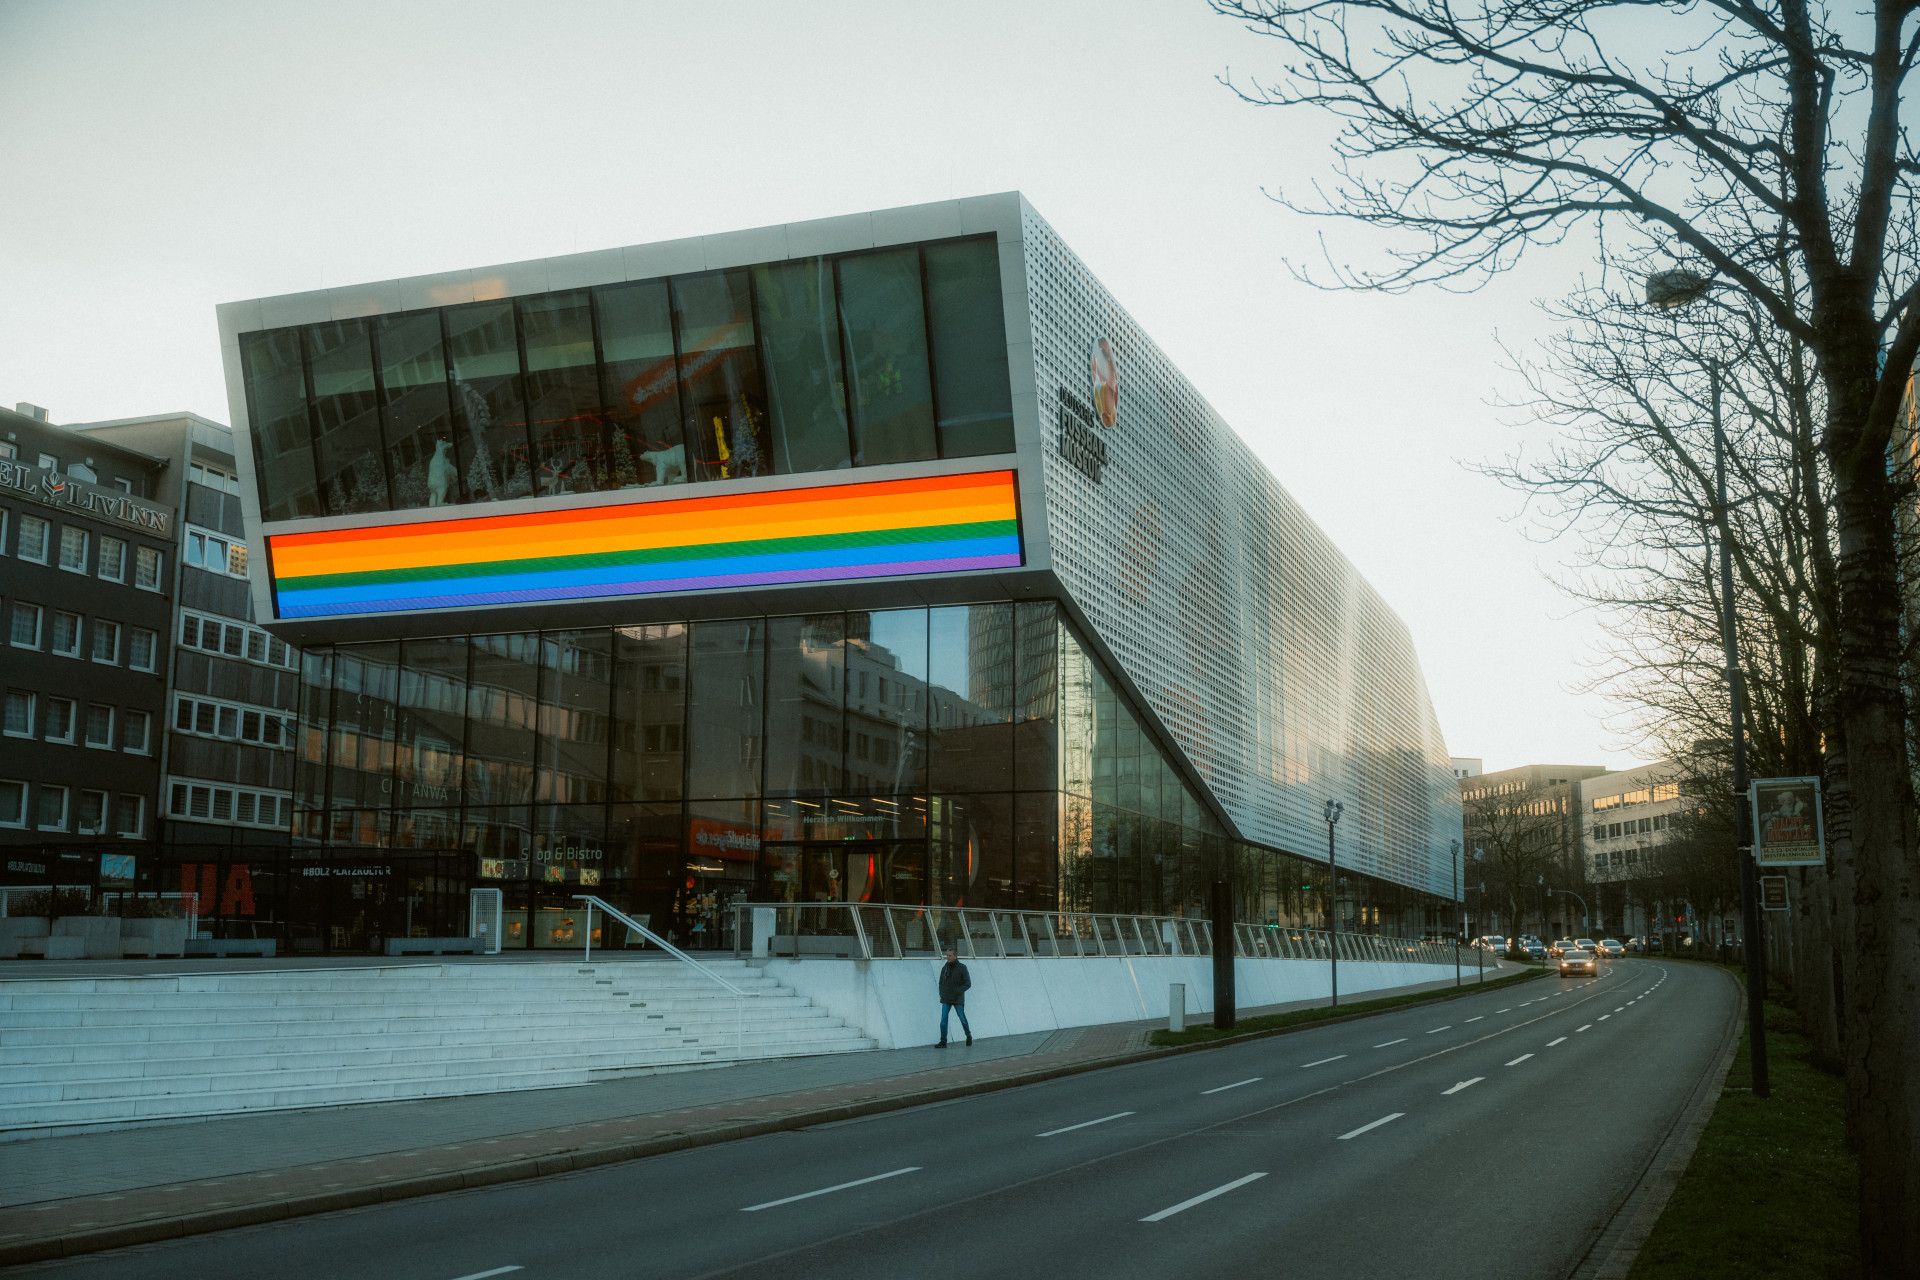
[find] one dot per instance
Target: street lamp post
(1585, 915)
(1334, 810)
(1669, 290)
(1480, 952)
(1462, 926)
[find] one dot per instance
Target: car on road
(1533, 948)
(1610, 949)
(1491, 942)
(1560, 947)
(1587, 944)
(1637, 945)
(1573, 963)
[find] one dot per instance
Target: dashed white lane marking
(1621, 1007)
(1509, 1010)
(482, 1275)
(1389, 1118)
(1084, 1124)
(1322, 1062)
(1605, 1016)
(826, 1191)
(1476, 1019)
(1578, 1030)
(1437, 1030)
(1561, 1040)
(1235, 1085)
(1464, 1084)
(1390, 1043)
(1522, 1058)
(1203, 1197)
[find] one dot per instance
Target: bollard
(1177, 1006)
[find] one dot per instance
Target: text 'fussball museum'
(875, 559)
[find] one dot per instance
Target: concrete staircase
(106, 1051)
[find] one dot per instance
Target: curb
(1616, 1246)
(526, 1168)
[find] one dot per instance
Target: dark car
(1575, 963)
(1532, 949)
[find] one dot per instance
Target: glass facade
(965, 755)
(816, 364)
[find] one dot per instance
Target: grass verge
(1772, 1189)
(1320, 1013)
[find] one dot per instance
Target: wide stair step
(108, 1051)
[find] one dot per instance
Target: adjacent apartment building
(86, 576)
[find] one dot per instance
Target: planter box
(22, 936)
(99, 936)
(154, 936)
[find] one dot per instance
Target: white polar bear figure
(440, 473)
(669, 464)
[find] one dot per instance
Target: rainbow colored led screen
(876, 529)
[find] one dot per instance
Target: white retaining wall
(895, 1002)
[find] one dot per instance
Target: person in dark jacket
(954, 981)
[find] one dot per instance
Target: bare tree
(1521, 835)
(1727, 134)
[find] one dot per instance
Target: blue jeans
(960, 1009)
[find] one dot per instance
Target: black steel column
(1223, 948)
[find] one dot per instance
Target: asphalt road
(1487, 1136)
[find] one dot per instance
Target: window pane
(806, 666)
(806, 394)
(433, 710)
(723, 710)
(884, 321)
(277, 409)
(887, 701)
(66, 633)
(970, 653)
(364, 730)
(720, 390)
(969, 348)
(25, 628)
(563, 393)
(502, 706)
(99, 726)
(33, 538)
(422, 447)
(1036, 766)
(146, 565)
(73, 549)
(347, 449)
(316, 729)
(650, 705)
(485, 353)
(639, 388)
(113, 558)
(576, 687)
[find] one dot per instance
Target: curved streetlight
(1671, 290)
(1333, 811)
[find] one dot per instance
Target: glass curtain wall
(818, 364)
(969, 755)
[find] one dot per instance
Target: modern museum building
(880, 558)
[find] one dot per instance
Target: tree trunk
(1882, 978)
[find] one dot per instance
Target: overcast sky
(159, 158)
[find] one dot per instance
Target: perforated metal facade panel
(1273, 665)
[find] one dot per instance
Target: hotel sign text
(38, 484)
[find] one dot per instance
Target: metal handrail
(919, 930)
(650, 936)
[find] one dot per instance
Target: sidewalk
(63, 1195)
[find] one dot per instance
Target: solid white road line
(1235, 1085)
(1437, 1030)
(824, 1191)
(1561, 1040)
(1389, 1118)
(1522, 1058)
(482, 1275)
(1322, 1062)
(1202, 1198)
(1464, 1084)
(1401, 1040)
(1084, 1124)
(1578, 1030)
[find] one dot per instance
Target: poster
(1788, 830)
